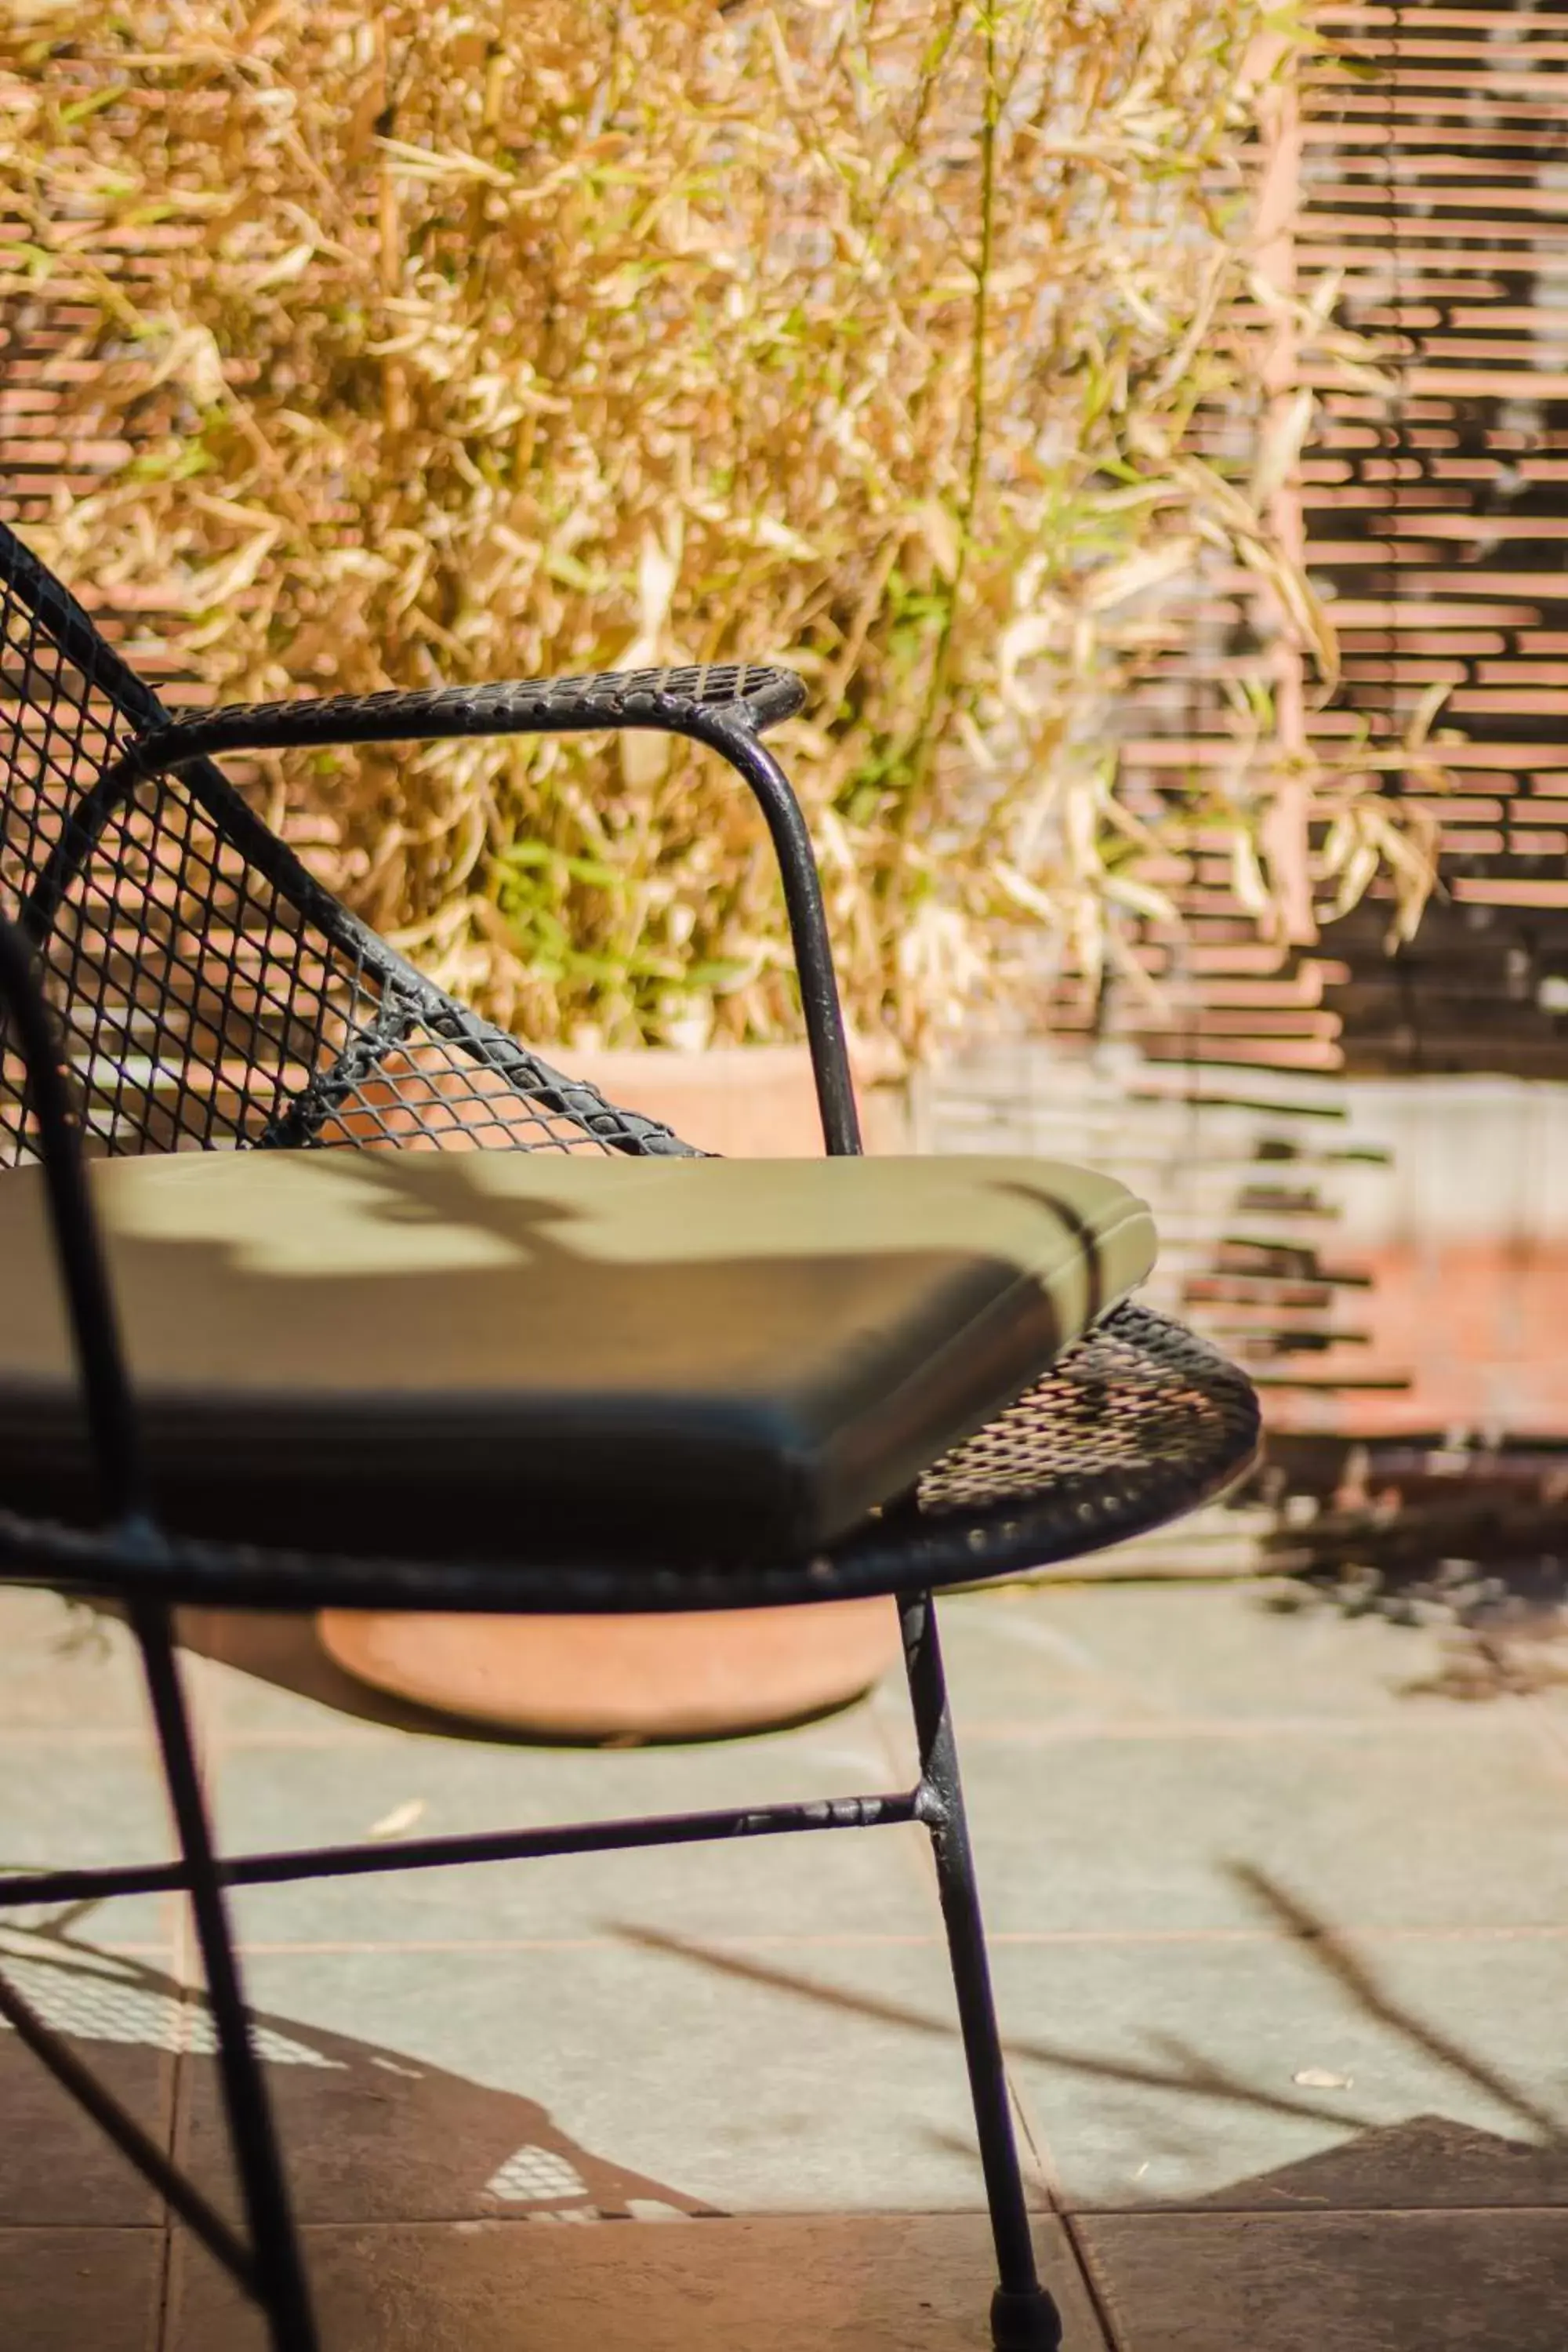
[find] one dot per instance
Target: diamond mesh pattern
(1134, 1386)
(428, 1094)
(208, 997)
(93, 1998)
(1133, 1424)
(589, 699)
(195, 999)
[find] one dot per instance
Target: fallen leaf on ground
(401, 1818)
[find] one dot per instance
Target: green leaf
(81, 108)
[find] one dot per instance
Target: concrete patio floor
(1280, 1935)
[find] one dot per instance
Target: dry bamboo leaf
(1139, 573)
(1281, 446)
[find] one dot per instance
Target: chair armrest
(748, 696)
(723, 705)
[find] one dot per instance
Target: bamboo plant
(446, 343)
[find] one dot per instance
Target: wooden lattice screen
(1433, 185)
(1441, 191)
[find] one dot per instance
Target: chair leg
(1023, 2317)
(280, 2272)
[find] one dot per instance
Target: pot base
(687, 1675)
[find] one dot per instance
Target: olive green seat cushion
(520, 1354)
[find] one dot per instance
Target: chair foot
(1025, 2321)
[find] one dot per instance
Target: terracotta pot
(749, 1102)
(650, 1677)
(688, 1676)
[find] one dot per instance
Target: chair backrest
(210, 991)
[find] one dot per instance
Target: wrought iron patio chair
(172, 979)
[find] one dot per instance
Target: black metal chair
(172, 979)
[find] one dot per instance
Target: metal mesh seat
(173, 978)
